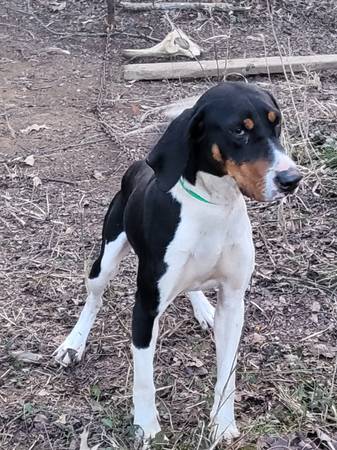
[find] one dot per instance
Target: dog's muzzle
(287, 180)
(283, 178)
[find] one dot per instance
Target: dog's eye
(239, 131)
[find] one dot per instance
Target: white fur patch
(73, 347)
(145, 411)
(203, 310)
(281, 163)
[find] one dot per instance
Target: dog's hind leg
(114, 247)
(202, 309)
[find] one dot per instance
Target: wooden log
(150, 6)
(247, 66)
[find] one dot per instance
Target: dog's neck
(219, 190)
(214, 190)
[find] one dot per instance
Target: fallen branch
(249, 66)
(148, 6)
(173, 110)
(176, 43)
(153, 126)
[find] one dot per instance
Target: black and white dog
(183, 213)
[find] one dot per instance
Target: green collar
(192, 193)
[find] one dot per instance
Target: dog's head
(234, 130)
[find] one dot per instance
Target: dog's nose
(288, 180)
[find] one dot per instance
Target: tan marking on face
(250, 177)
(249, 124)
(216, 153)
(272, 116)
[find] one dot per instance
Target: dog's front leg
(145, 325)
(228, 324)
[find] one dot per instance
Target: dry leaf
(62, 419)
(30, 160)
(42, 393)
(11, 129)
(27, 357)
(135, 109)
(84, 441)
(73, 445)
(297, 441)
(34, 127)
(55, 6)
(292, 359)
(257, 338)
(195, 367)
(259, 38)
(325, 350)
(315, 307)
(314, 318)
(324, 437)
(42, 418)
(196, 363)
(57, 51)
(97, 175)
(37, 181)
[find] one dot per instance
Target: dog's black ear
(169, 157)
(273, 99)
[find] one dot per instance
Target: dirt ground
(56, 183)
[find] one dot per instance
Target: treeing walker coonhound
(183, 212)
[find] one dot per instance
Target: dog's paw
(204, 313)
(224, 432)
(147, 434)
(69, 352)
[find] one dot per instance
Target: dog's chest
(208, 245)
(205, 243)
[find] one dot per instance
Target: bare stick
(249, 66)
(111, 13)
(147, 6)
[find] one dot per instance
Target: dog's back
(137, 176)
